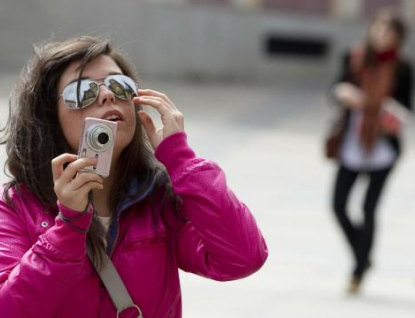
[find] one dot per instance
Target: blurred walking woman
(374, 89)
(157, 211)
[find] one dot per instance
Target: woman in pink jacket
(156, 212)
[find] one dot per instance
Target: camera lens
(100, 137)
(103, 138)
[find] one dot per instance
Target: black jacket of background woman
(402, 91)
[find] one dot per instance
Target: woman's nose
(105, 95)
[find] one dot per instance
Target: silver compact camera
(97, 141)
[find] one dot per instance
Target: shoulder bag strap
(115, 286)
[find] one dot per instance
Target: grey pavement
(268, 141)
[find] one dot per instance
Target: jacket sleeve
(404, 85)
(34, 279)
(221, 239)
(344, 75)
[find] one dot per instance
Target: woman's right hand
(72, 187)
(350, 95)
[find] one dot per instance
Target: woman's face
(103, 107)
(382, 36)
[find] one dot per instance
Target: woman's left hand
(171, 117)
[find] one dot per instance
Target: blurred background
(251, 77)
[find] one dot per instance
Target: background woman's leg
(367, 232)
(344, 182)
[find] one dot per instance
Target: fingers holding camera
(171, 117)
(58, 165)
(72, 187)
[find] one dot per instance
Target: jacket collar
(114, 226)
(133, 189)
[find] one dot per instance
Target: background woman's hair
(397, 24)
(33, 135)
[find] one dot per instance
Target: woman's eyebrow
(86, 77)
(77, 79)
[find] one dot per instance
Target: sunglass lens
(88, 92)
(122, 86)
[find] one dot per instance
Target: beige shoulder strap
(115, 286)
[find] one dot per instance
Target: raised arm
(221, 240)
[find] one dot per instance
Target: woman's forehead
(96, 68)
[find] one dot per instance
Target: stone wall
(222, 40)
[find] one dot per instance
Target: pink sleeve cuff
(70, 236)
(80, 219)
(173, 152)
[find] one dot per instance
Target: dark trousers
(360, 237)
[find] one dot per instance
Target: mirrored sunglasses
(122, 86)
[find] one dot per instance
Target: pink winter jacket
(44, 270)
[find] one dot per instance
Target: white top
(105, 221)
(353, 154)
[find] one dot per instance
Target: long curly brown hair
(33, 135)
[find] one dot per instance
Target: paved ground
(268, 140)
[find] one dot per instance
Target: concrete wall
(178, 41)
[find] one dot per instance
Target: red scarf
(377, 82)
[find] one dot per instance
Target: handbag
(334, 137)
